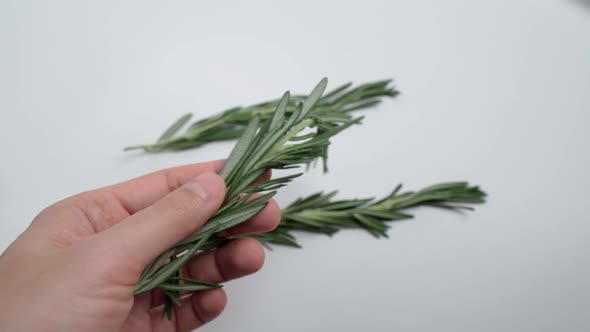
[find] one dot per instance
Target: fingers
(194, 311)
(236, 259)
(149, 232)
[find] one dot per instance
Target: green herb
(281, 134)
(337, 105)
(271, 143)
(319, 213)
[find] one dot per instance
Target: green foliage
(266, 143)
(335, 105)
(282, 134)
(319, 213)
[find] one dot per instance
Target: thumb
(149, 232)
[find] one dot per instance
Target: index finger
(138, 193)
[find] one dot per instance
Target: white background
(494, 92)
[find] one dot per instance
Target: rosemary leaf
(240, 148)
(193, 287)
(175, 127)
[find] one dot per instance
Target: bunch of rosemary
(274, 143)
(271, 137)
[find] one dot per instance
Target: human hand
(76, 265)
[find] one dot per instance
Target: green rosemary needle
(230, 124)
(319, 213)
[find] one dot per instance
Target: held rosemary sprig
(318, 213)
(230, 124)
(272, 143)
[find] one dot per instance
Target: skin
(75, 267)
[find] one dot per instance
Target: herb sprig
(273, 143)
(337, 105)
(319, 213)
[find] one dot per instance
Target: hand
(75, 267)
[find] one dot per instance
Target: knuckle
(182, 201)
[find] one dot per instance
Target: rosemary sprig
(319, 213)
(272, 143)
(335, 105)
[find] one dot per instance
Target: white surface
(494, 92)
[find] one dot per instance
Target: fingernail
(205, 185)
